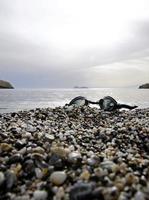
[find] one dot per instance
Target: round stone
(31, 129)
(58, 178)
(40, 195)
(49, 137)
(74, 157)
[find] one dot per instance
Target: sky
(67, 43)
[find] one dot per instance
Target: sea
(12, 100)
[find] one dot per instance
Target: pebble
(81, 191)
(107, 165)
(2, 178)
(139, 196)
(20, 144)
(60, 151)
(15, 158)
(30, 129)
(49, 137)
(10, 179)
(40, 195)
(22, 197)
(27, 135)
(58, 177)
(60, 194)
(85, 175)
(130, 179)
(81, 154)
(38, 150)
(5, 147)
(93, 161)
(38, 173)
(74, 157)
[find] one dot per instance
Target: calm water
(25, 99)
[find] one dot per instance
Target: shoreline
(79, 153)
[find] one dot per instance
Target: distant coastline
(80, 87)
(5, 85)
(144, 86)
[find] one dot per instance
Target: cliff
(5, 85)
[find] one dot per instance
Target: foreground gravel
(74, 153)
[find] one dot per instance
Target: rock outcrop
(5, 85)
(144, 86)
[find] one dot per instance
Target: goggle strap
(92, 102)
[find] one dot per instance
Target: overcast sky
(64, 43)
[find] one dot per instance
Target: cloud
(55, 44)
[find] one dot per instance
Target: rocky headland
(5, 85)
(74, 153)
(144, 86)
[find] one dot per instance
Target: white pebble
(27, 135)
(49, 137)
(58, 177)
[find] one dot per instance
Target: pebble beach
(76, 153)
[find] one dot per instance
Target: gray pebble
(2, 178)
(40, 195)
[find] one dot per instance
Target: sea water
(12, 100)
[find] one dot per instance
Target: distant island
(5, 85)
(82, 87)
(144, 86)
